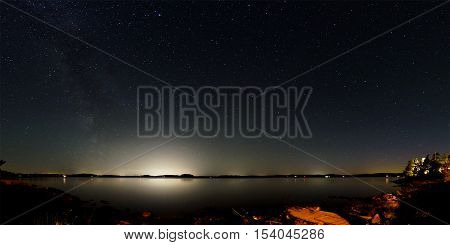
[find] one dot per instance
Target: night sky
(68, 108)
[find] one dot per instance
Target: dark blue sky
(66, 107)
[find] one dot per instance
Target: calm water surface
(187, 195)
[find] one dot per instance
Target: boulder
(314, 216)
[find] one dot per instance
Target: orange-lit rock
(146, 214)
(315, 216)
(124, 222)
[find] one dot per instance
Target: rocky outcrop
(314, 216)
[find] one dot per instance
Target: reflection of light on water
(176, 196)
(64, 180)
(386, 180)
(169, 186)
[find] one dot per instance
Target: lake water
(187, 195)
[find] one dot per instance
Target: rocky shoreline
(416, 202)
(391, 208)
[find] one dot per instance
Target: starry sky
(68, 108)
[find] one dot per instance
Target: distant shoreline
(189, 176)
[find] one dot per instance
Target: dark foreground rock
(417, 202)
(21, 203)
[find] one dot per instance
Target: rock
(376, 220)
(390, 215)
(391, 201)
(146, 214)
(366, 218)
(386, 206)
(315, 216)
(124, 222)
(257, 217)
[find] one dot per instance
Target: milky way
(66, 107)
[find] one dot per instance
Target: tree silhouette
(435, 166)
(410, 168)
(426, 166)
